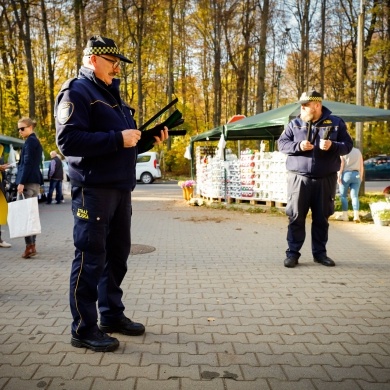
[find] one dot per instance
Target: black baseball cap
(312, 96)
(100, 45)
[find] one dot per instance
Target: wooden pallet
(251, 201)
(268, 203)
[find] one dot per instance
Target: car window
(143, 159)
(382, 160)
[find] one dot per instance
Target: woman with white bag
(29, 177)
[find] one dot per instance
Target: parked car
(377, 168)
(46, 166)
(148, 168)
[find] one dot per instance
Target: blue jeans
(350, 180)
(57, 185)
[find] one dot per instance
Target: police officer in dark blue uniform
(97, 133)
(313, 142)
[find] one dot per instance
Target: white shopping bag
(23, 218)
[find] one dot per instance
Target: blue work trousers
(101, 234)
(316, 194)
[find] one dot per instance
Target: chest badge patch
(64, 112)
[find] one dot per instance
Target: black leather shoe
(124, 326)
(98, 341)
(290, 262)
(327, 261)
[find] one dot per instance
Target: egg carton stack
(203, 154)
(210, 178)
(278, 173)
(262, 189)
(271, 177)
(233, 178)
(217, 183)
(201, 171)
(247, 173)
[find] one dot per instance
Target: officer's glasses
(115, 64)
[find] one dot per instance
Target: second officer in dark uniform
(97, 133)
(313, 142)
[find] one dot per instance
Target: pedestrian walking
(29, 177)
(350, 178)
(55, 175)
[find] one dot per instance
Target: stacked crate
(256, 176)
(247, 170)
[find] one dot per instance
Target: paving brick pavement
(221, 311)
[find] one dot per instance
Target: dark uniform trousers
(306, 193)
(102, 219)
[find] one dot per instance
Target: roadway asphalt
(221, 311)
(376, 185)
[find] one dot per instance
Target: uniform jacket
(89, 119)
(29, 168)
(56, 171)
(316, 162)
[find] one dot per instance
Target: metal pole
(360, 80)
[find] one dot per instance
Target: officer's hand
(130, 138)
(163, 137)
(325, 144)
(306, 145)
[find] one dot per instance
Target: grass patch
(364, 201)
(245, 207)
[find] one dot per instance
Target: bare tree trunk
(23, 21)
(322, 47)
(140, 36)
(6, 78)
(247, 28)
(49, 64)
(262, 56)
(103, 21)
(77, 5)
(304, 60)
(183, 52)
(170, 62)
(217, 84)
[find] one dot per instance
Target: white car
(148, 167)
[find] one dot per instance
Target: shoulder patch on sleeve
(64, 112)
(67, 84)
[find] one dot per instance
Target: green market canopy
(270, 124)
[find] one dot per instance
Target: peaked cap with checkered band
(100, 45)
(312, 96)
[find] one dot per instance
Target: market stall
(227, 176)
(256, 176)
